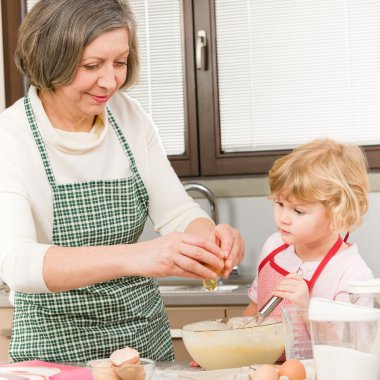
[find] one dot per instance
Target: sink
(195, 295)
(198, 288)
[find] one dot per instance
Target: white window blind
(30, 4)
(290, 71)
(161, 87)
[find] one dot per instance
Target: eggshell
(265, 372)
(125, 355)
(293, 369)
(125, 364)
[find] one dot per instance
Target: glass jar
(365, 293)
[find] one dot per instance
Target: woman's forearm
(201, 226)
(67, 268)
(175, 254)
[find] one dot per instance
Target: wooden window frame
(12, 14)
(187, 165)
(212, 161)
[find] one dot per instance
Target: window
(284, 72)
(232, 85)
(272, 75)
(305, 70)
(161, 86)
(166, 87)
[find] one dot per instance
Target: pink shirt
(346, 266)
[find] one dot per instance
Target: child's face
(301, 222)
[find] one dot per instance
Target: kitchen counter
(189, 298)
(196, 295)
(189, 293)
(174, 371)
(171, 371)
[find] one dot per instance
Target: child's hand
(294, 288)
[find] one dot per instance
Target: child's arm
(250, 310)
(294, 288)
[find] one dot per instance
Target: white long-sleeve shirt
(26, 212)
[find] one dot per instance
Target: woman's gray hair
(53, 35)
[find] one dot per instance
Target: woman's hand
(294, 288)
(178, 254)
(232, 244)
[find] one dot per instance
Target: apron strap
(42, 148)
(132, 163)
(272, 254)
(333, 250)
(123, 142)
(40, 143)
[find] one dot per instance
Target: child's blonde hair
(329, 172)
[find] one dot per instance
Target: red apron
(270, 274)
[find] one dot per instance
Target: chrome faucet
(4, 289)
(195, 186)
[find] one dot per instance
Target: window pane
(161, 87)
(291, 71)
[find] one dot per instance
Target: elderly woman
(81, 168)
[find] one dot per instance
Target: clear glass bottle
(365, 293)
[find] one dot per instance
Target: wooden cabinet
(6, 318)
(235, 311)
(180, 316)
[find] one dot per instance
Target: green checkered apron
(93, 321)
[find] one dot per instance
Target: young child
(319, 192)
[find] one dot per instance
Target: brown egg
(265, 372)
(294, 369)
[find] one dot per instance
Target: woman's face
(101, 72)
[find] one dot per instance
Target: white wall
(2, 87)
(253, 216)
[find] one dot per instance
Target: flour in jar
(333, 362)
